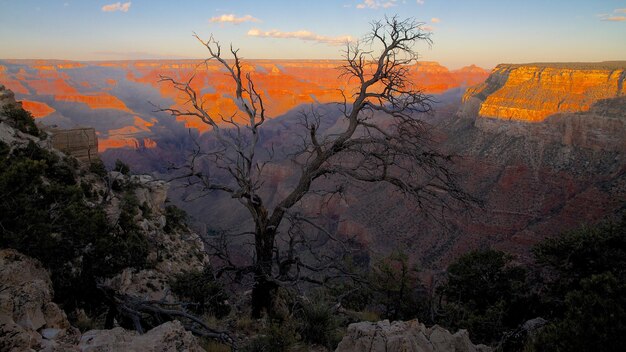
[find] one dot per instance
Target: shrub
(97, 167)
(275, 338)
(584, 289)
(594, 318)
(203, 291)
(44, 214)
(395, 285)
(175, 219)
(21, 119)
(121, 167)
(486, 295)
(317, 323)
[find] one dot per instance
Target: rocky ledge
(409, 336)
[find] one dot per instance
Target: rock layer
(67, 94)
(532, 92)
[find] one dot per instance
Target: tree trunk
(264, 290)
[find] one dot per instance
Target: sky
(464, 32)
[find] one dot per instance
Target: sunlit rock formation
(111, 96)
(532, 92)
(37, 108)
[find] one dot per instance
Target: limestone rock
(7, 97)
(409, 336)
(170, 336)
(170, 253)
(28, 317)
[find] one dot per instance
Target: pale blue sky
(482, 32)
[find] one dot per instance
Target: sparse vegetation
(202, 291)
(44, 213)
(175, 218)
(121, 167)
(21, 119)
(318, 323)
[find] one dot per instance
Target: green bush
(97, 167)
(395, 286)
(44, 214)
(584, 289)
(318, 324)
(594, 318)
(275, 338)
(204, 293)
(175, 219)
(486, 295)
(21, 119)
(121, 167)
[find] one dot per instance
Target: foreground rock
(409, 336)
(28, 317)
(170, 336)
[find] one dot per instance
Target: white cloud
(231, 18)
(435, 20)
(301, 34)
(420, 2)
(614, 18)
(118, 6)
(375, 4)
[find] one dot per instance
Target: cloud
(420, 2)
(118, 6)
(435, 20)
(428, 28)
(614, 18)
(231, 18)
(619, 10)
(375, 4)
(301, 34)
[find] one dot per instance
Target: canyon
(541, 146)
(119, 98)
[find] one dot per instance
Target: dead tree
(382, 140)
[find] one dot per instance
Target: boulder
(170, 336)
(28, 317)
(409, 336)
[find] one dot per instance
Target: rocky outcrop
(28, 317)
(532, 92)
(409, 336)
(7, 97)
(80, 143)
(578, 105)
(170, 336)
(171, 252)
(30, 321)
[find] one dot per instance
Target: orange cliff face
(283, 84)
(70, 87)
(532, 92)
(38, 109)
(95, 101)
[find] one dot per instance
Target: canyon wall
(578, 104)
(118, 98)
(532, 92)
(543, 146)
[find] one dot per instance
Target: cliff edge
(574, 104)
